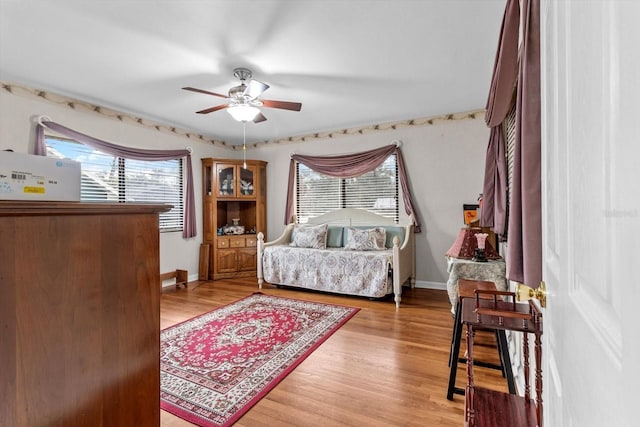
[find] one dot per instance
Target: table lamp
(466, 244)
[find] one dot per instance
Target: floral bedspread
(364, 273)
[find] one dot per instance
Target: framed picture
(470, 213)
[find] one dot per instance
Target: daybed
(346, 251)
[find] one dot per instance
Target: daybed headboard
(351, 217)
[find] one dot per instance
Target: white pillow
(306, 236)
(372, 239)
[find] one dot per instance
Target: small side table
(490, 271)
(489, 408)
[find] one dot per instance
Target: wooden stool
(467, 289)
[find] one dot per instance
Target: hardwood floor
(382, 368)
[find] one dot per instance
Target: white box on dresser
(31, 177)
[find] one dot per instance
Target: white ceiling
(349, 62)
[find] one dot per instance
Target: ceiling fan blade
(212, 109)
(285, 105)
(255, 89)
(193, 89)
(259, 118)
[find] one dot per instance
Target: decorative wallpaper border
(42, 95)
(425, 121)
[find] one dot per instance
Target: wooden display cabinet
(232, 191)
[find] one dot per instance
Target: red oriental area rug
(214, 367)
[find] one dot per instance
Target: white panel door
(591, 211)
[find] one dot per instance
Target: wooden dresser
(79, 314)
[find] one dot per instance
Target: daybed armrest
(404, 261)
(284, 238)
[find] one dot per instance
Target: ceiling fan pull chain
(244, 145)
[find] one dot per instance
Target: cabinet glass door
(247, 182)
(226, 180)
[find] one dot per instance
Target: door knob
(525, 293)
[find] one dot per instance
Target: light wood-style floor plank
(382, 368)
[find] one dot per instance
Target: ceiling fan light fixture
(243, 112)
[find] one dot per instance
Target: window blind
(376, 191)
(106, 178)
(509, 129)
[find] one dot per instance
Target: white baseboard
(423, 284)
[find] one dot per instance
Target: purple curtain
(189, 229)
(289, 214)
(349, 166)
(505, 72)
(524, 255)
(494, 194)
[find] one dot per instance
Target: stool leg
(455, 332)
(500, 354)
(507, 370)
(455, 352)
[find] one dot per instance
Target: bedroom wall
(445, 162)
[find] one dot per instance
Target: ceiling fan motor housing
(237, 92)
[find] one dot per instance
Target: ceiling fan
(243, 99)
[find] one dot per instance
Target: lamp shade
(466, 244)
(243, 112)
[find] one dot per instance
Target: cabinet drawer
(252, 242)
(223, 242)
(237, 242)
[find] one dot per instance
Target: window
(509, 129)
(106, 178)
(375, 191)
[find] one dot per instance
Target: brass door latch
(525, 293)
